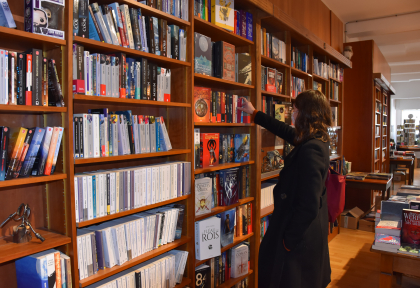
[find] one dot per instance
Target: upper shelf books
(6, 17)
(45, 17)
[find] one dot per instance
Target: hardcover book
(203, 195)
(270, 85)
(241, 148)
(202, 100)
(4, 145)
(244, 68)
(222, 14)
(203, 276)
(410, 232)
(228, 187)
(227, 224)
(17, 138)
(279, 82)
(207, 238)
(209, 146)
(224, 60)
(202, 54)
(239, 261)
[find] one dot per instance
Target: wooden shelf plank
(79, 98)
(32, 180)
(20, 40)
(266, 211)
(317, 77)
(217, 33)
(185, 281)
(147, 10)
(272, 94)
(129, 212)
(10, 251)
(222, 167)
(335, 79)
(224, 124)
(99, 47)
(334, 157)
(335, 101)
(221, 83)
(270, 62)
(270, 175)
(219, 209)
(102, 274)
(236, 241)
(81, 161)
(23, 109)
(232, 281)
(299, 73)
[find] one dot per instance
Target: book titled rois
(207, 238)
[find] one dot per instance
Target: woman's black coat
(300, 216)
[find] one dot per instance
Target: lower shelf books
(50, 268)
(106, 192)
(100, 133)
(265, 221)
(120, 240)
(115, 75)
(218, 107)
(271, 80)
(218, 148)
(227, 187)
(165, 270)
(410, 242)
(267, 197)
(29, 151)
(232, 263)
(297, 86)
(28, 78)
(334, 90)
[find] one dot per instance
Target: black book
(83, 19)
(164, 37)
(154, 82)
(108, 190)
(76, 137)
(80, 62)
(244, 68)
(213, 104)
(81, 147)
(230, 108)
(151, 35)
(137, 277)
(136, 29)
(55, 95)
(203, 273)
(4, 142)
(144, 79)
(21, 78)
(160, 35)
(36, 76)
(175, 42)
(217, 59)
(148, 81)
(75, 17)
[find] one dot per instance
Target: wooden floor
(352, 263)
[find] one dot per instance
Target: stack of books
(118, 241)
(379, 176)
(271, 80)
(28, 78)
(321, 68)
(267, 197)
(356, 175)
(34, 151)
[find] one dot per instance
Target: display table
(393, 262)
(371, 184)
(408, 163)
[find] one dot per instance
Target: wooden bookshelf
(236, 241)
(232, 281)
(273, 94)
(335, 79)
(299, 73)
(185, 281)
(267, 211)
(218, 82)
(212, 124)
(88, 99)
(10, 251)
(222, 167)
(32, 180)
(319, 78)
(269, 62)
(22, 109)
(270, 175)
(220, 209)
(18, 39)
(102, 274)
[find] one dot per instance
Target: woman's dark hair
(314, 116)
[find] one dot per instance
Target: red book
(249, 222)
(270, 86)
(218, 107)
(210, 147)
(223, 106)
(28, 90)
(202, 102)
(410, 228)
(126, 44)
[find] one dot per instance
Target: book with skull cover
(228, 187)
(209, 149)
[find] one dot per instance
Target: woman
(294, 250)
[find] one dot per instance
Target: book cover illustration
(228, 61)
(203, 195)
(229, 187)
(223, 14)
(209, 148)
(16, 149)
(203, 277)
(270, 85)
(207, 238)
(410, 232)
(202, 98)
(202, 54)
(244, 68)
(279, 82)
(239, 261)
(227, 223)
(241, 147)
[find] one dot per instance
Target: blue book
(130, 62)
(227, 224)
(137, 79)
(6, 17)
(36, 271)
(94, 195)
(41, 158)
(57, 149)
(241, 148)
(249, 35)
(158, 143)
(32, 152)
(160, 135)
(93, 34)
(229, 186)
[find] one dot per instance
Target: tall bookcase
(52, 197)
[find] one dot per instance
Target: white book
(174, 180)
(102, 195)
(90, 79)
(117, 249)
(143, 187)
(85, 198)
(80, 258)
(149, 186)
(203, 195)
(165, 135)
(76, 199)
(239, 262)
(90, 196)
(138, 237)
(155, 185)
(89, 253)
(108, 75)
(117, 192)
(125, 13)
(152, 127)
(142, 134)
(147, 138)
(110, 248)
(86, 70)
(145, 47)
(167, 182)
(111, 29)
(84, 253)
(95, 135)
(207, 234)
(98, 195)
(136, 134)
(112, 192)
(129, 190)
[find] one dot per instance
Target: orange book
(264, 49)
(202, 97)
(51, 151)
(239, 217)
(57, 269)
(249, 210)
(17, 151)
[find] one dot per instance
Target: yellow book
(223, 14)
(16, 152)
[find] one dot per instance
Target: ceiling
(398, 37)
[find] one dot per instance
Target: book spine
(96, 29)
(57, 150)
(5, 131)
(99, 19)
(51, 151)
(83, 29)
(136, 29)
(16, 153)
(126, 15)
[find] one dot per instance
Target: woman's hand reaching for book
(247, 106)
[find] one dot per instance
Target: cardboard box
(366, 225)
(399, 176)
(350, 218)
